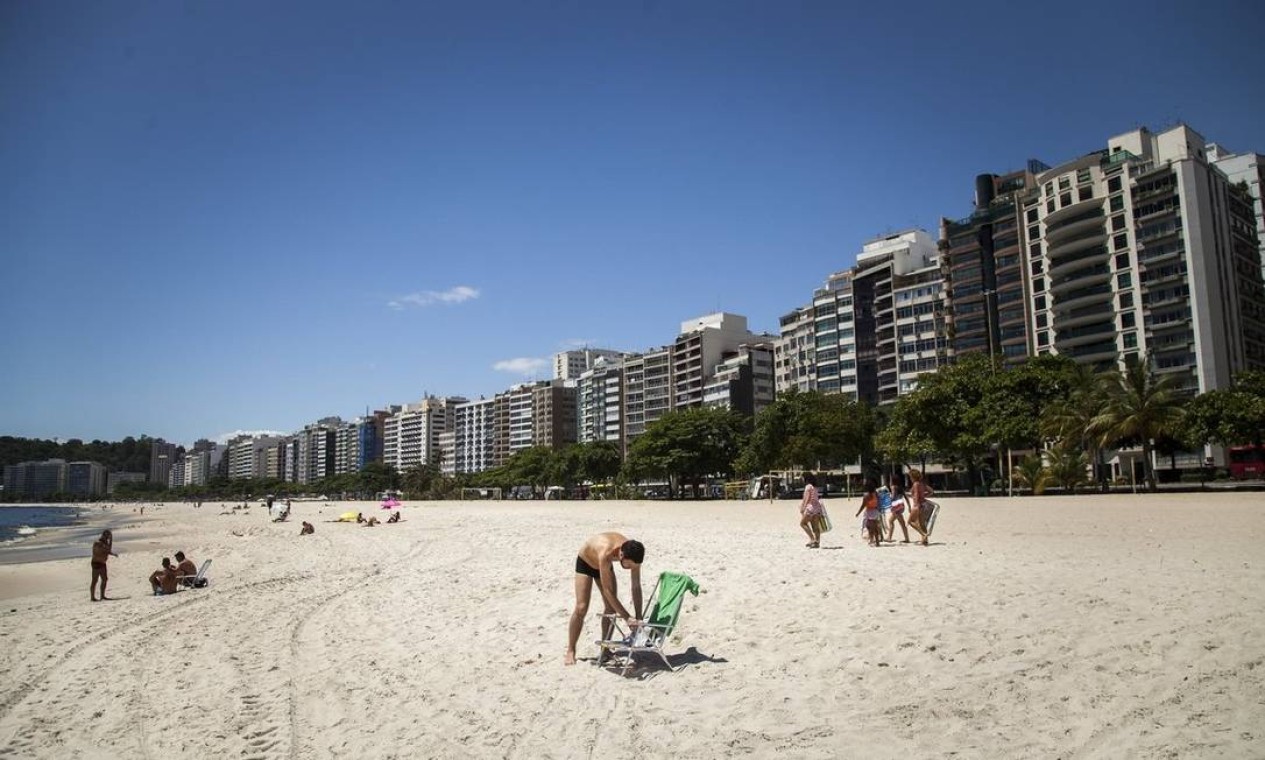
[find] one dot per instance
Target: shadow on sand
(647, 666)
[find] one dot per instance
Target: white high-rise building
(1147, 249)
(569, 365)
(474, 436)
(599, 400)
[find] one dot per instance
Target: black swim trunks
(584, 568)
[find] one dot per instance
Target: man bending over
(596, 562)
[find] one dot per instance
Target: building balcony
(1077, 239)
(1076, 279)
(1092, 352)
(1077, 336)
(1066, 263)
(1082, 297)
(1073, 216)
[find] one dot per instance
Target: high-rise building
(871, 329)
(162, 456)
(1247, 170)
(43, 479)
(474, 436)
(599, 402)
(743, 380)
(795, 352)
(1147, 249)
(986, 272)
(554, 414)
(569, 365)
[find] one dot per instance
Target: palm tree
(1072, 420)
(1032, 474)
(1067, 466)
(1139, 407)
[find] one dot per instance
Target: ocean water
(36, 516)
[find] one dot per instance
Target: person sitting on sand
(394, 518)
(185, 567)
(165, 580)
(595, 562)
(307, 529)
(102, 550)
(360, 517)
(372, 521)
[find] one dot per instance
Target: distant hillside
(129, 455)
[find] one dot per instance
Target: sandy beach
(1119, 626)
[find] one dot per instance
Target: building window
(1049, 188)
(1040, 303)
(1034, 250)
(1113, 185)
(1065, 199)
(1034, 232)
(1117, 223)
(1122, 261)
(1043, 339)
(1084, 193)
(1130, 340)
(1038, 284)
(1124, 280)
(1117, 203)
(1042, 320)
(1038, 266)
(1032, 216)
(1126, 301)
(1128, 319)
(1120, 242)
(1049, 206)
(1064, 183)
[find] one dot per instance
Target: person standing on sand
(918, 493)
(809, 510)
(869, 505)
(102, 550)
(898, 510)
(596, 562)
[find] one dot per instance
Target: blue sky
(223, 216)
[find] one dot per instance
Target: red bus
(1247, 462)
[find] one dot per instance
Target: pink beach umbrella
(390, 503)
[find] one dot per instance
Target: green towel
(672, 588)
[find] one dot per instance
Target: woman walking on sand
(918, 493)
(809, 510)
(897, 490)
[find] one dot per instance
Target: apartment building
(570, 365)
(987, 279)
(599, 393)
(743, 380)
(795, 352)
(42, 479)
(1146, 248)
(554, 413)
(474, 436)
(871, 329)
(253, 457)
(1248, 171)
(162, 456)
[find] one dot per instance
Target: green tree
(808, 430)
(1032, 474)
(1230, 416)
(600, 461)
(1067, 466)
(1140, 408)
(688, 446)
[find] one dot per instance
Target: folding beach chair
(196, 581)
(665, 610)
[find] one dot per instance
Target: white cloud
(223, 438)
(523, 365)
(459, 294)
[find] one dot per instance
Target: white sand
(1105, 627)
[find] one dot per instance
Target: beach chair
(196, 581)
(665, 611)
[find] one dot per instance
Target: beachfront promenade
(1116, 626)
